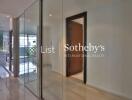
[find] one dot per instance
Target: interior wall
(109, 23)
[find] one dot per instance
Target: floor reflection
(12, 89)
(57, 87)
(28, 75)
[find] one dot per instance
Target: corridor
(65, 50)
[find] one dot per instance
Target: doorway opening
(76, 34)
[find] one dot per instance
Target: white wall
(109, 23)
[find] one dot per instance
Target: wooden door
(75, 36)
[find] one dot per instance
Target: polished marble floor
(12, 89)
(55, 87)
(78, 76)
(61, 88)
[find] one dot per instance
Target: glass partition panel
(28, 37)
(4, 49)
(21, 48)
(31, 31)
(52, 65)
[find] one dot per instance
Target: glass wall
(28, 33)
(21, 48)
(4, 49)
(52, 65)
(52, 78)
(107, 21)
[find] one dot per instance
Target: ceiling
(4, 23)
(11, 8)
(14, 7)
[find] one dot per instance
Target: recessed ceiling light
(8, 16)
(50, 15)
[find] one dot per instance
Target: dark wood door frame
(68, 41)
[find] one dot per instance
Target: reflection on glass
(28, 70)
(31, 31)
(4, 49)
(21, 47)
(52, 69)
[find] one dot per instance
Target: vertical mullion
(39, 48)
